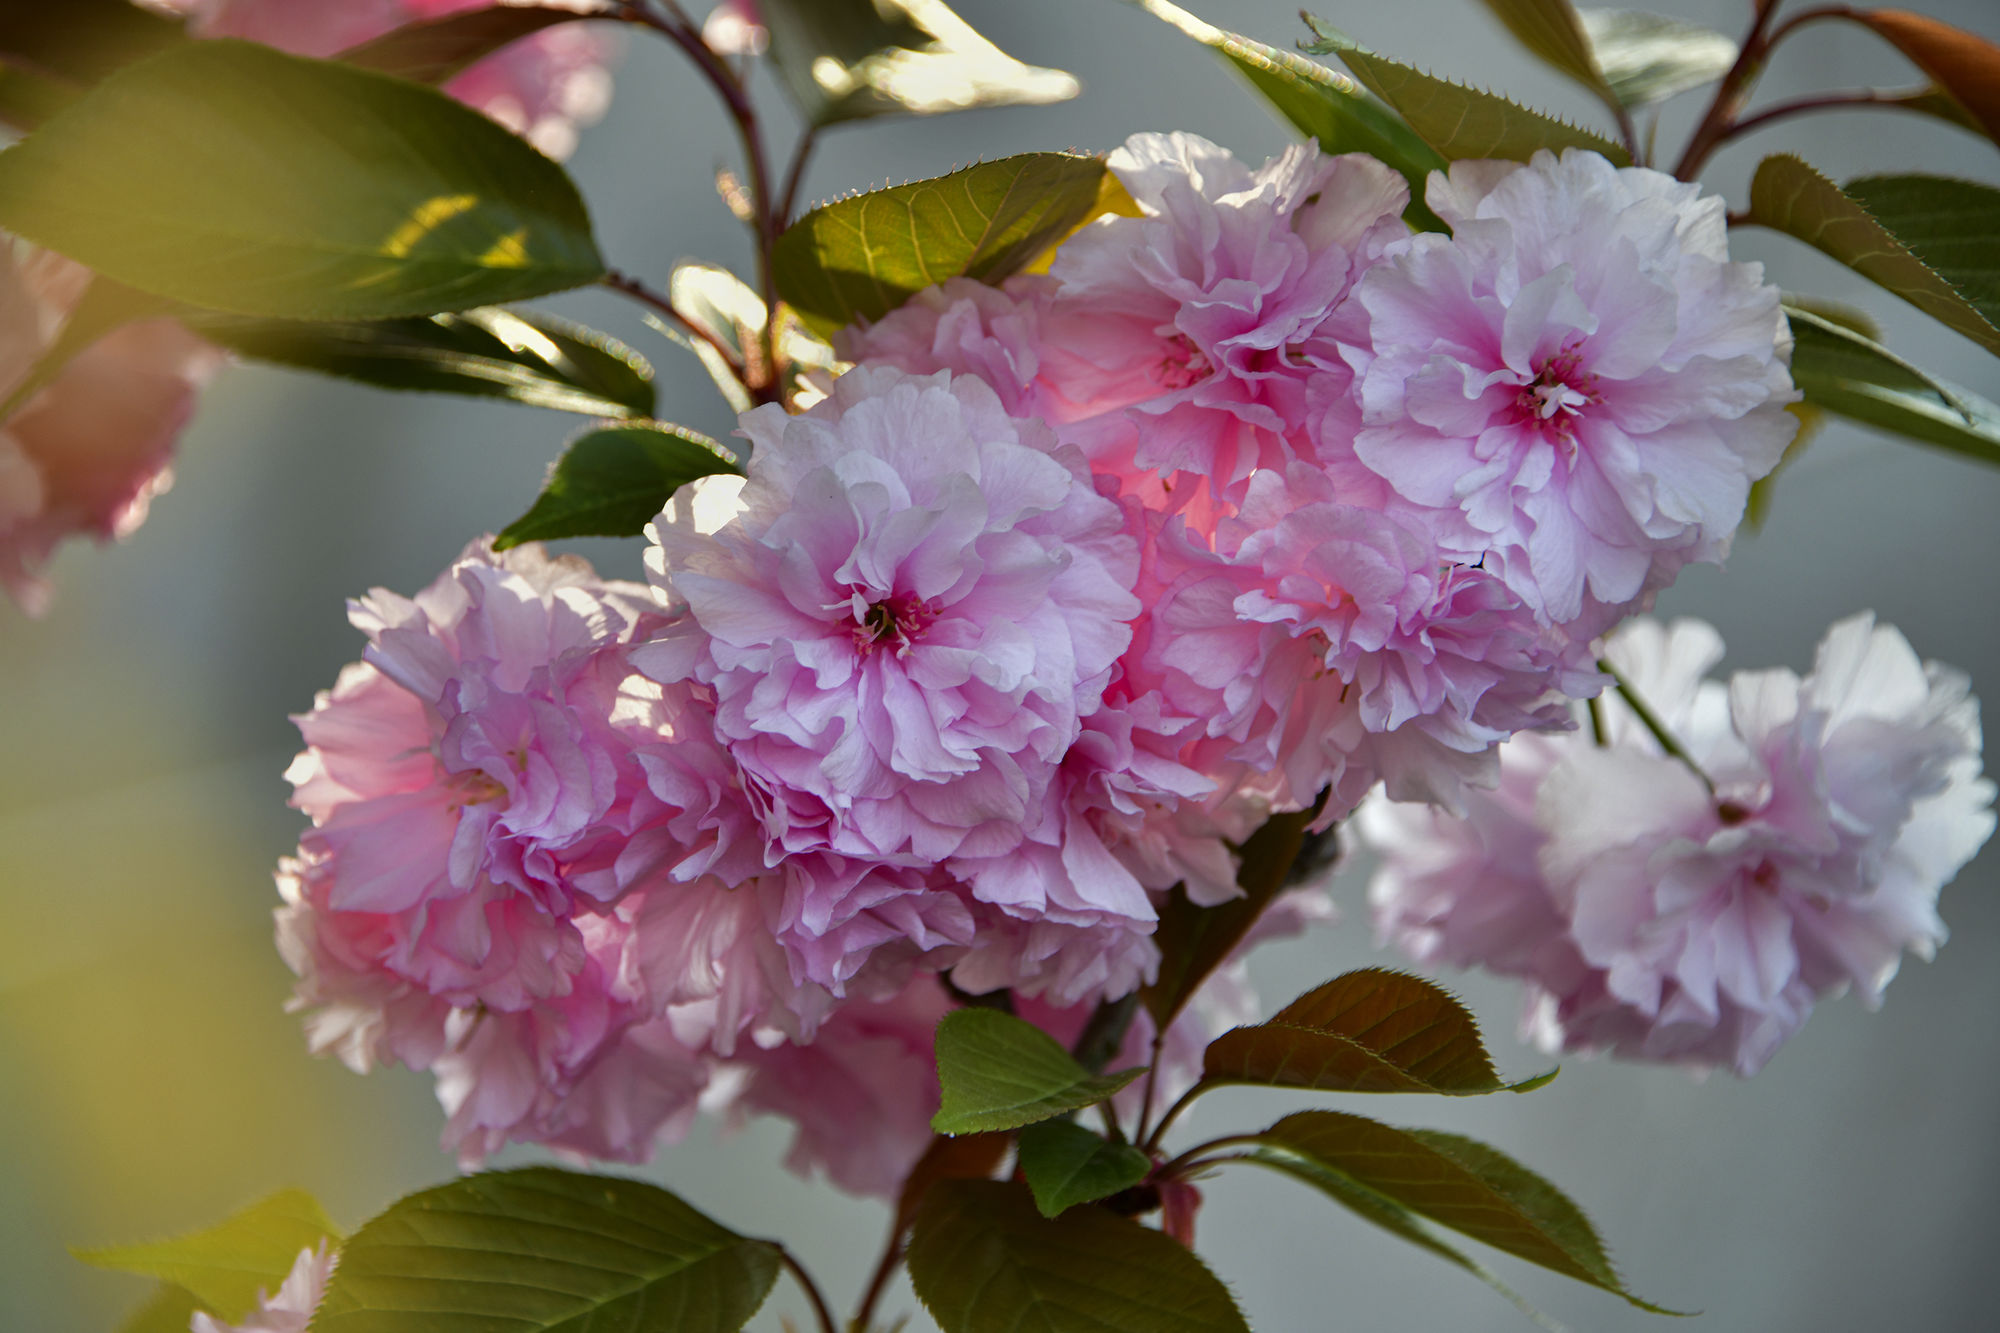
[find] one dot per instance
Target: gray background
(149, 1081)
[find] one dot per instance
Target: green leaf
(1195, 940)
(1066, 1164)
(1551, 30)
(1459, 1183)
(848, 59)
(1933, 242)
(1000, 1072)
(436, 51)
(1647, 58)
(226, 1266)
(611, 482)
(1386, 1213)
(540, 1250)
(1456, 120)
(234, 177)
(965, 1157)
(489, 352)
(170, 1309)
(983, 1260)
(862, 257)
(1844, 372)
(724, 307)
(1811, 417)
(1368, 1031)
(104, 307)
(1322, 103)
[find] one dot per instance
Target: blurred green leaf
(1373, 1030)
(611, 482)
(1001, 1072)
(983, 1260)
(1456, 120)
(848, 59)
(226, 1266)
(1646, 58)
(489, 352)
(949, 1157)
(541, 1250)
(1195, 940)
(234, 177)
(1456, 1182)
(1551, 30)
(1066, 1164)
(170, 1309)
(1811, 417)
(862, 257)
(1938, 104)
(81, 41)
(1931, 240)
(1844, 372)
(1322, 103)
(435, 51)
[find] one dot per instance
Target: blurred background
(150, 1082)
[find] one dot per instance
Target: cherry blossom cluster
(1693, 908)
(1256, 499)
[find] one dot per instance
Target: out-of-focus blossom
(544, 87)
(735, 28)
(1663, 920)
(287, 1310)
(85, 454)
(1577, 382)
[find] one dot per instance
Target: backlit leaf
(1001, 1072)
(611, 482)
(170, 1309)
(235, 177)
(1322, 103)
(862, 257)
(545, 1251)
(1458, 1183)
(846, 59)
(1929, 239)
(226, 1266)
(1368, 1031)
(1066, 1164)
(984, 1260)
(1457, 120)
(1646, 58)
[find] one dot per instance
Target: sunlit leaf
(1965, 65)
(1456, 120)
(1368, 1031)
(984, 1260)
(724, 307)
(235, 177)
(1001, 1072)
(225, 1266)
(613, 481)
(545, 1251)
(1929, 239)
(1845, 372)
(1195, 940)
(1458, 1183)
(846, 59)
(862, 257)
(435, 51)
(1646, 58)
(1322, 103)
(1066, 1164)
(521, 355)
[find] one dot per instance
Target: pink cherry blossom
(544, 87)
(287, 1310)
(904, 627)
(1577, 382)
(1183, 340)
(968, 328)
(84, 455)
(1663, 920)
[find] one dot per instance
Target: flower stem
(1731, 93)
(885, 1268)
(1152, 1142)
(1637, 703)
(820, 1310)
